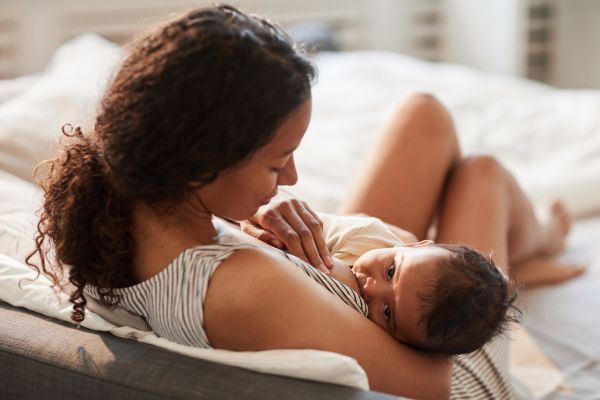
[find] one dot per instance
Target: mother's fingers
(290, 238)
(314, 223)
(304, 235)
(298, 230)
(261, 234)
(298, 227)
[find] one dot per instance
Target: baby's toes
(567, 272)
(562, 215)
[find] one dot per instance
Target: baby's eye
(390, 271)
(387, 312)
(276, 170)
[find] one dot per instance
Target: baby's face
(390, 280)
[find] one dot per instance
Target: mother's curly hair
(192, 98)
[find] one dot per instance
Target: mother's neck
(161, 236)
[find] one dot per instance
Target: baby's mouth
(361, 279)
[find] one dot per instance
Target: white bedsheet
(564, 319)
(549, 138)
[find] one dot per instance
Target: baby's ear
(426, 242)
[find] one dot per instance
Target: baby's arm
(402, 234)
(349, 236)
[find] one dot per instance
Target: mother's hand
(292, 225)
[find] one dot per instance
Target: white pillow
(18, 199)
(12, 87)
(18, 224)
(66, 92)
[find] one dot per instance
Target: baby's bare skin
(543, 268)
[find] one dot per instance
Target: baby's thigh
(403, 179)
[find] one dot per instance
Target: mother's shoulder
(251, 290)
(249, 262)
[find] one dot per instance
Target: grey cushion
(44, 358)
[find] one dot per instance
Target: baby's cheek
(378, 321)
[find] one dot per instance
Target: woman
(202, 120)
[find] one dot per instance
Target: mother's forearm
(425, 377)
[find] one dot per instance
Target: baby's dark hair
(469, 303)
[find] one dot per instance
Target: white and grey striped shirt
(172, 300)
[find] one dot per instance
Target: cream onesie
(349, 236)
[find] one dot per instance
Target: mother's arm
(257, 302)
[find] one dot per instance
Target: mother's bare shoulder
(258, 300)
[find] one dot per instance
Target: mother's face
(238, 192)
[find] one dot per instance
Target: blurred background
(553, 41)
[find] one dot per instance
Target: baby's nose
(369, 289)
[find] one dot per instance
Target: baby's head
(440, 298)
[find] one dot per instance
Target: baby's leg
(403, 179)
(543, 271)
(529, 236)
(476, 209)
(484, 207)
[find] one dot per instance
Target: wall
(578, 44)
(30, 30)
(488, 34)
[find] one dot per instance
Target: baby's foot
(555, 227)
(545, 271)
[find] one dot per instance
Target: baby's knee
(423, 102)
(427, 117)
(423, 97)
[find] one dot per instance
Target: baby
(439, 298)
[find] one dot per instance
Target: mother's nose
(289, 175)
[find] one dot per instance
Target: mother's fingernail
(329, 261)
(323, 268)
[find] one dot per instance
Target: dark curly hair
(469, 303)
(192, 98)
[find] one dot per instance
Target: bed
(549, 138)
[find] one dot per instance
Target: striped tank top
(171, 301)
